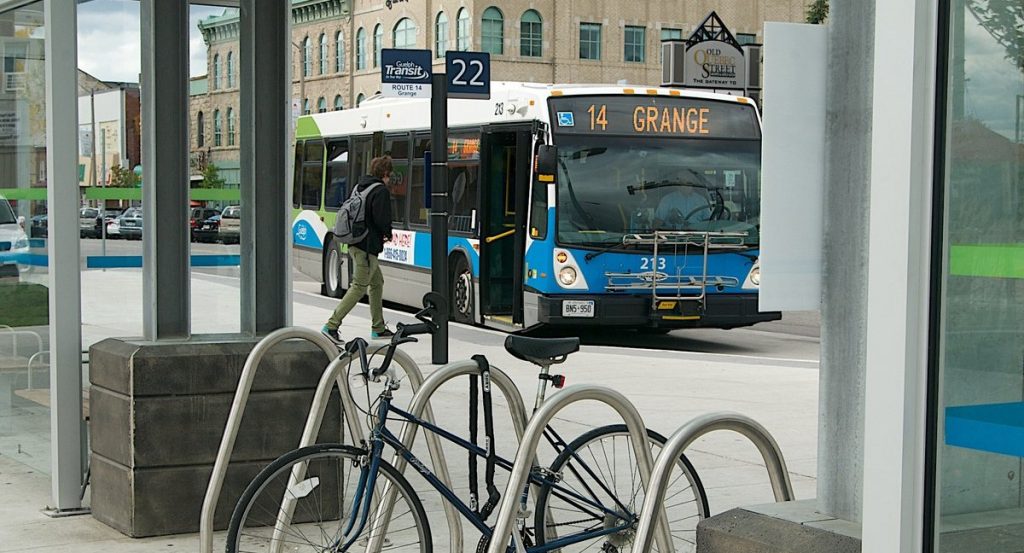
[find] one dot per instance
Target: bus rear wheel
(332, 268)
(462, 291)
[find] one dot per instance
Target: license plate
(207, 227)
(577, 308)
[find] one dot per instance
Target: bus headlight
(567, 276)
(755, 276)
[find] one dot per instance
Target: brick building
(336, 56)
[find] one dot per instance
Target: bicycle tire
(683, 529)
(343, 455)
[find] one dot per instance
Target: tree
(817, 12)
(211, 177)
(126, 178)
(1004, 20)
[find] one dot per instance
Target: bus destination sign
(654, 116)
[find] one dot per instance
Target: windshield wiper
(611, 248)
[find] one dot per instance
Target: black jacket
(378, 216)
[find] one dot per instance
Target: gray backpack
(350, 225)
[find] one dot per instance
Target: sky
(108, 39)
(993, 81)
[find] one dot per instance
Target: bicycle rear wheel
(605, 471)
(321, 506)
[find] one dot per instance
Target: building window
(462, 30)
(338, 105)
(635, 42)
(359, 99)
(361, 50)
(378, 43)
(669, 33)
(492, 31)
(590, 41)
(216, 128)
(216, 71)
(305, 106)
(321, 105)
(530, 34)
(324, 53)
(307, 57)
(746, 38)
(404, 34)
(339, 53)
(231, 69)
(200, 130)
(441, 35)
(231, 127)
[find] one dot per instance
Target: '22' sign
(469, 75)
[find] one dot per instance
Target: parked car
(88, 222)
(230, 224)
(13, 241)
(208, 230)
(130, 224)
(198, 218)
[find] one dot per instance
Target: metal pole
(439, 211)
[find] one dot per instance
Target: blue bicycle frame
(381, 436)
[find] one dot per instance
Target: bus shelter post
(439, 211)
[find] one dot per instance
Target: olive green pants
(366, 274)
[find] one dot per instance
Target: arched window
(324, 53)
(305, 106)
(216, 71)
(339, 53)
(440, 35)
(404, 34)
(216, 128)
(531, 29)
(231, 127)
(361, 49)
(462, 30)
(338, 106)
(200, 130)
(321, 105)
(231, 69)
(359, 99)
(378, 43)
(307, 57)
(492, 31)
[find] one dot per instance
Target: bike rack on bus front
(655, 492)
(531, 440)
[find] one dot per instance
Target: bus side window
(463, 180)
(336, 183)
(398, 148)
(312, 174)
(297, 176)
(361, 147)
(418, 180)
(539, 211)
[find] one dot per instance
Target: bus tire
(332, 270)
(461, 310)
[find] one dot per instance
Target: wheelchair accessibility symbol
(566, 119)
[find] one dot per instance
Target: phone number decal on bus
(666, 116)
(401, 247)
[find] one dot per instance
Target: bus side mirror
(547, 163)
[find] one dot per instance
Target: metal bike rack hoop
(421, 404)
(654, 497)
(531, 440)
(227, 442)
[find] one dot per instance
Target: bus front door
(505, 169)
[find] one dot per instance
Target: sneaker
(332, 335)
(386, 333)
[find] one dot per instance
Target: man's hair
(380, 167)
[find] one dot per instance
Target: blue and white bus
(649, 222)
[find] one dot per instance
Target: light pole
(302, 77)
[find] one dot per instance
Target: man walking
(366, 273)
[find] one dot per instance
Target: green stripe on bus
(987, 260)
(306, 127)
(24, 193)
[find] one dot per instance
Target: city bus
(647, 217)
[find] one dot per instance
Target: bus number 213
(649, 263)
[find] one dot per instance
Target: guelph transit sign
(405, 73)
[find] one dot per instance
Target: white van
(13, 240)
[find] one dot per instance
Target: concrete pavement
(668, 388)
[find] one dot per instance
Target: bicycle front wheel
(309, 500)
(600, 466)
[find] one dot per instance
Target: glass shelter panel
(978, 366)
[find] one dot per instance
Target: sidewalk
(668, 388)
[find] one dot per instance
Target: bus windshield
(613, 186)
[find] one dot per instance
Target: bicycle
(326, 497)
